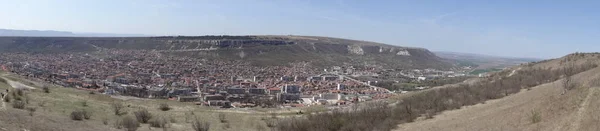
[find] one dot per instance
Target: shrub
(42, 103)
(535, 116)
(27, 98)
(197, 125)
(77, 115)
(173, 120)
(31, 110)
(129, 123)
(18, 104)
(142, 115)
(164, 107)
(84, 103)
(159, 122)
(105, 121)
(222, 118)
(270, 122)
(19, 92)
(46, 89)
(118, 123)
(86, 114)
(226, 126)
(117, 108)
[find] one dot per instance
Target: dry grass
(54, 110)
(553, 111)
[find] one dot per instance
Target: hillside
(259, 50)
(543, 107)
(552, 94)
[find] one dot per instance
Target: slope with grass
(543, 107)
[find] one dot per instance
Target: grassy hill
(552, 94)
(259, 50)
(543, 107)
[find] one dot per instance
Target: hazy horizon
(523, 29)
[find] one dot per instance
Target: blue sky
(538, 29)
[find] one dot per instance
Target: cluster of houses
(148, 74)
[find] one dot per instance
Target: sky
(513, 28)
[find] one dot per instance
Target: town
(219, 83)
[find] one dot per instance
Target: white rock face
(355, 49)
(380, 49)
(403, 53)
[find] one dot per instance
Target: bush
(535, 116)
(142, 115)
(105, 121)
(197, 125)
(84, 103)
(222, 118)
(270, 122)
(18, 104)
(159, 122)
(31, 110)
(42, 103)
(19, 92)
(118, 123)
(117, 108)
(46, 89)
(164, 107)
(86, 114)
(77, 115)
(129, 123)
(27, 98)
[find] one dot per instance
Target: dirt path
(18, 85)
(582, 109)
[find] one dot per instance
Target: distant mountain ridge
(52, 33)
(259, 50)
